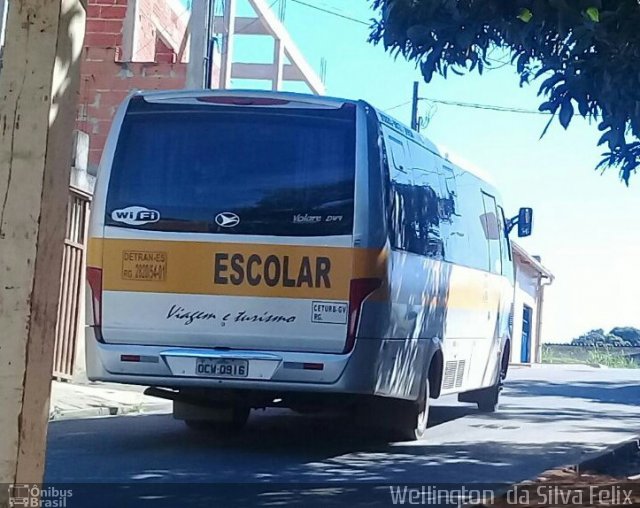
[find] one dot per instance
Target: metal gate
(71, 288)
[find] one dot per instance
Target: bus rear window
(259, 171)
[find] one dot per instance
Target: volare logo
(135, 215)
(306, 219)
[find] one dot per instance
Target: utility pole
(39, 84)
(414, 107)
(199, 38)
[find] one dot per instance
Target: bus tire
(234, 424)
(488, 399)
(410, 424)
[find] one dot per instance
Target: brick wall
(157, 59)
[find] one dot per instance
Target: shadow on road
(286, 459)
(281, 460)
(272, 433)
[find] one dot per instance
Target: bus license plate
(216, 367)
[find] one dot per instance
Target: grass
(614, 359)
(605, 356)
(550, 356)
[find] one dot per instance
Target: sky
(585, 222)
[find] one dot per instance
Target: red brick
(95, 154)
(180, 70)
(106, 26)
(163, 84)
(113, 12)
(165, 58)
(101, 40)
(93, 26)
(99, 54)
(99, 68)
(113, 26)
(104, 126)
(93, 12)
(112, 99)
(115, 85)
(159, 70)
(98, 139)
(102, 113)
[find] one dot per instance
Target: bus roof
(439, 151)
(465, 165)
(190, 96)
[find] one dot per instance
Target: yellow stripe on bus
(238, 269)
(234, 269)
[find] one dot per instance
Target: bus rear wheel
(411, 421)
(488, 399)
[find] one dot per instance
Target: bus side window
(398, 153)
(507, 262)
(492, 232)
(465, 242)
(450, 194)
(402, 231)
(428, 201)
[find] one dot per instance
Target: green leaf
(594, 14)
(605, 138)
(525, 15)
(566, 112)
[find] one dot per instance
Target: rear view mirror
(525, 222)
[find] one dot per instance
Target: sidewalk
(89, 400)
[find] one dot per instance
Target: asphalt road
(550, 416)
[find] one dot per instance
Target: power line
(472, 105)
(398, 106)
(489, 107)
(367, 24)
(331, 12)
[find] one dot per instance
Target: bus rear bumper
(360, 372)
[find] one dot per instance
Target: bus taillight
(94, 280)
(359, 290)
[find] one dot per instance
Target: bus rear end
(222, 244)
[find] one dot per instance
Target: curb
(604, 459)
(599, 461)
(100, 411)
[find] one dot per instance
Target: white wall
(526, 293)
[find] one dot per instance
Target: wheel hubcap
(423, 416)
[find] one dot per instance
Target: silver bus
(254, 249)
